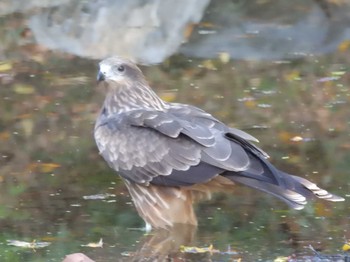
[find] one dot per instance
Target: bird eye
(121, 68)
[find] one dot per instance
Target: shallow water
(55, 188)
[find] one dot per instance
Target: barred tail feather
(292, 198)
(317, 192)
(293, 190)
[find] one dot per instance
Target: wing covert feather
(144, 145)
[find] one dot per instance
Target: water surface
(294, 98)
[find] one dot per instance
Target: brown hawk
(171, 155)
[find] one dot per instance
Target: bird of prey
(171, 155)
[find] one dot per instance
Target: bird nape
(171, 155)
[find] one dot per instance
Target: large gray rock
(270, 29)
(77, 257)
(20, 6)
(148, 31)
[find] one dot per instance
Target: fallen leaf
(338, 73)
(43, 167)
(188, 31)
(4, 135)
(285, 136)
(346, 247)
(98, 196)
(48, 167)
(5, 67)
(207, 25)
(98, 244)
(250, 103)
(186, 249)
(224, 57)
(281, 259)
(344, 46)
(292, 76)
(23, 89)
(34, 244)
(23, 116)
(296, 139)
(168, 96)
(69, 81)
(328, 79)
(28, 126)
(208, 64)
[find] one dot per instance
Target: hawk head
(118, 70)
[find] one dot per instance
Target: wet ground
(283, 78)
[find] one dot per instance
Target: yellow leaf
(321, 210)
(23, 89)
(208, 64)
(344, 46)
(43, 167)
(294, 75)
(285, 136)
(5, 67)
(224, 57)
(346, 247)
(48, 167)
(168, 96)
(186, 249)
(281, 259)
(4, 135)
(338, 73)
(27, 125)
(207, 25)
(250, 103)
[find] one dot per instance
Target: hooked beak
(100, 76)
